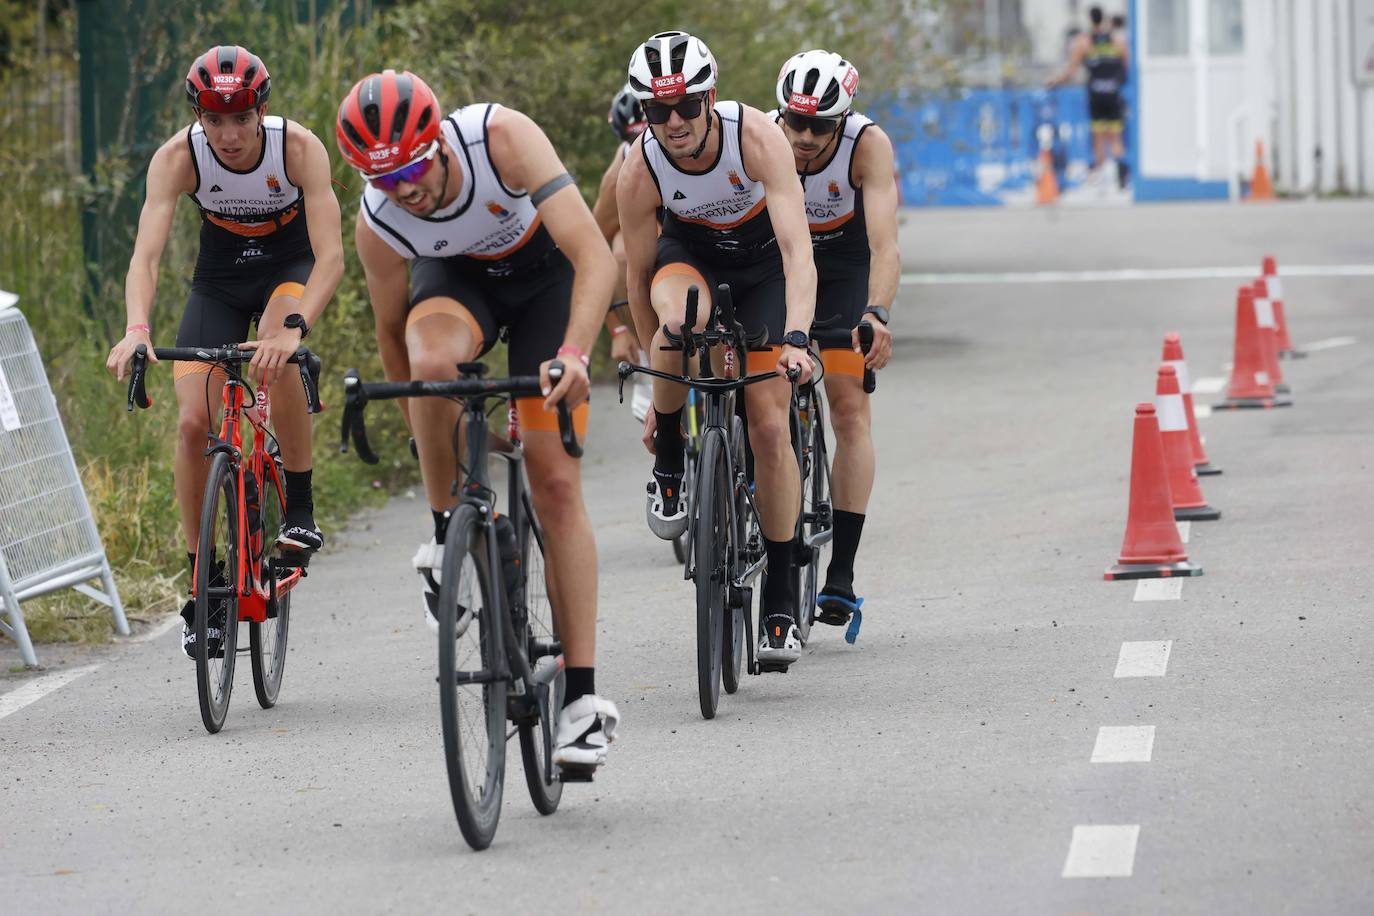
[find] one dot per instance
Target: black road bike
(500, 658)
(725, 545)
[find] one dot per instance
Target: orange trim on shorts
(678, 269)
(289, 288)
(533, 418)
(844, 362)
(762, 360)
(183, 368)
(442, 305)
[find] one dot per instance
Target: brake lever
(866, 344)
(566, 431)
(623, 371)
(138, 392)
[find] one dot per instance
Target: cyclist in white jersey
(271, 253)
(845, 163)
(470, 224)
(734, 214)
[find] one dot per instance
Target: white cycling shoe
(586, 727)
(778, 648)
(428, 560)
(667, 517)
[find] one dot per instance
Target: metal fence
(48, 538)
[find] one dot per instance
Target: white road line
(1185, 531)
(1124, 744)
(1329, 343)
(1134, 275)
(1201, 411)
(1144, 659)
(1102, 851)
(36, 690)
(1159, 589)
(1208, 384)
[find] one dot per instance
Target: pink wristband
(619, 329)
(137, 327)
(573, 351)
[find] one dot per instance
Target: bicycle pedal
(773, 668)
(575, 774)
(289, 558)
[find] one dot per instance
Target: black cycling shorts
(1105, 109)
(532, 305)
(221, 311)
(757, 289)
(841, 294)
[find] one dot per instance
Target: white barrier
(48, 539)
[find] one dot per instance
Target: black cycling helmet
(626, 117)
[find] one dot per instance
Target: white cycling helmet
(818, 83)
(671, 64)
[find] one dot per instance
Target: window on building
(1225, 27)
(1166, 24)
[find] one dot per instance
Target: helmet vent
(353, 136)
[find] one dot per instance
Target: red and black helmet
(386, 121)
(228, 79)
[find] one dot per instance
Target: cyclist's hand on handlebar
(881, 351)
(572, 389)
(123, 352)
(794, 358)
(274, 347)
(650, 427)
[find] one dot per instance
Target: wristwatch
(297, 320)
(878, 312)
(798, 339)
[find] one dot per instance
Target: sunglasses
(818, 126)
(689, 108)
(410, 173)
(234, 102)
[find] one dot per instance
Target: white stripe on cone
(1264, 313)
(1181, 369)
(1275, 286)
(1172, 417)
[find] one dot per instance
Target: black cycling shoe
(299, 532)
(214, 631)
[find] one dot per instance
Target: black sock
(668, 444)
(440, 525)
(191, 560)
(777, 591)
(579, 682)
(299, 497)
(839, 575)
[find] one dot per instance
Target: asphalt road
(942, 764)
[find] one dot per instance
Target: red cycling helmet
(228, 79)
(387, 121)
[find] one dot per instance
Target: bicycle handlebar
(832, 332)
(358, 393)
(307, 362)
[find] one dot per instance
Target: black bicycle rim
(267, 640)
(712, 545)
(473, 715)
(218, 544)
(540, 629)
(736, 618)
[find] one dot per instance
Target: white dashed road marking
(1201, 411)
(1116, 276)
(36, 690)
(1102, 851)
(1159, 589)
(1124, 744)
(1207, 384)
(1329, 343)
(1144, 659)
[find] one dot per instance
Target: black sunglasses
(818, 126)
(689, 108)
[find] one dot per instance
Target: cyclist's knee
(436, 362)
(769, 436)
(557, 497)
(193, 424)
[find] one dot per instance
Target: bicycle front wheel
(817, 516)
(267, 640)
(472, 684)
(711, 542)
(737, 614)
(542, 648)
(217, 599)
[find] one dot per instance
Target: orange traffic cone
(1152, 548)
(1189, 506)
(1250, 385)
(1260, 186)
(1269, 335)
(1047, 188)
(1271, 276)
(1173, 356)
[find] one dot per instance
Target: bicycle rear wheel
(712, 545)
(737, 614)
(472, 684)
(267, 640)
(217, 601)
(542, 647)
(815, 515)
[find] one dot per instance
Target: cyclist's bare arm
(768, 159)
(1078, 50)
(1123, 49)
(637, 200)
(388, 286)
(605, 210)
(874, 172)
(323, 221)
(170, 173)
(527, 160)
